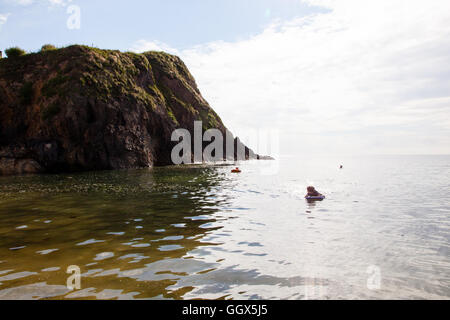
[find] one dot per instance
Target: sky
(319, 76)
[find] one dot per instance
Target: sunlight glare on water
(203, 232)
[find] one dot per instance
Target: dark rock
(258, 157)
(10, 166)
(81, 108)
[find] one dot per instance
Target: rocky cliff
(81, 108)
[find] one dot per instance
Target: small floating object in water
(315, 198)
(237, 170)
(313, 194)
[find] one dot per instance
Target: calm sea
(383, 231)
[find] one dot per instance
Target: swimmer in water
(312, 192)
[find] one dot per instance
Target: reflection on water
(127, 231)
(201, 232)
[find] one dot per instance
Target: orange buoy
(236, 170)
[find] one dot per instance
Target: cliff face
(82, 108)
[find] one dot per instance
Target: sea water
(383, 231)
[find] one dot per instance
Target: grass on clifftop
(106, 75)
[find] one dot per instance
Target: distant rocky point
(258, 157)
(81, 108)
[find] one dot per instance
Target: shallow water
(203, 232)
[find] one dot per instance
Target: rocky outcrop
(81, 108)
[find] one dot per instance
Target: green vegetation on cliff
(108, 75)
(14, 52)
(48, 47)
(83, 108)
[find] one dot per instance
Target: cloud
(60, 2)
(364, 77)
(145, 45)
(3, 19)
